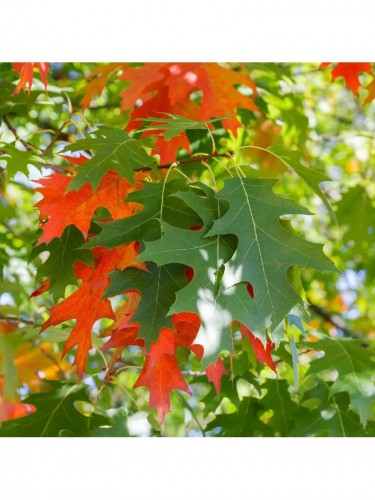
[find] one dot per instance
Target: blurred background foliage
(301, 108)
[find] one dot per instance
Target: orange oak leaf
(167, 88)
(161, 373)
(160, 102)
(97, 81)
(86, 304)
(266, 133)
(143, 81)
(77, 207)
(215, 373)
(155, 88)
(10, 410)
(30, 360)
(219, 95)
(26, 71)
(350, 72)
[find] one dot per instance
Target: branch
(57, 133)
(15, 319)
(335, 321)
(120, 366)
(26, 144)
(192, 159)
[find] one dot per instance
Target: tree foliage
(204, 261)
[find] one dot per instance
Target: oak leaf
(215, 373)
(26, 71)
(87, 304)
(62, 208)
(173, 84)
(262, 353)
(350, 72)
(161, 373)
(97, 81)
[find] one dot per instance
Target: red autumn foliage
(350, 72)
(161, 373)
(60, 208)
(26, 71)
(215, 373)
(86, 304)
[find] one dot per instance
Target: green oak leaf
(208, 294)
(55, 414)
(203, 201)
(119, 427)
(244, 423)
(158, 287)
(266, 249)
(312, 177)
(283, 408)
(329, 414)
(59, 266)
(17, 160)
(174, 125)
(356, 212)
(355, 362)
(15, 103)
(158, 204)
(115, 150)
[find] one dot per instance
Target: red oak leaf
(122, 332)
(262, 353)
(26, 71)
(350, 72)
(161, 373)
(86, 304)
(44, 286)
(215, 373)
(76, 158)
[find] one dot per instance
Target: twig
(335, 321)
(51, 358)
(15, 319)
(192, 159)
(120, 366)
(27, 145)
(56, 135)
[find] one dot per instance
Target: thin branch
(120, 366)
(26, 144)
(335, 321)
(192, 159)
(51, 358)
(57, 133)
(15, 319)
